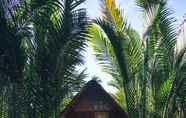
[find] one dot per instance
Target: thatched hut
(93, 102)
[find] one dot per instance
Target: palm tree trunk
(145, 76)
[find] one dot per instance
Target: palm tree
(149, 68)
(118, 48)
(41, 46)
(163, 62)
(59, 29)
(12, 61)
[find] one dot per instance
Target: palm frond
(103, 50)
(60, 31)
(113, 14)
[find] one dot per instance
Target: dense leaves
(147, 71)
(41, 44)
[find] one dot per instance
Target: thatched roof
(93, 85)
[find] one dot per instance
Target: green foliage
(118, 49)
(41, 44)
(148, 72)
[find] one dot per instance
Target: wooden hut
(93, 102)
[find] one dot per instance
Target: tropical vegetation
(42, 44)
(148, 71)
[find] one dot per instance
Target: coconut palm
(146, 69)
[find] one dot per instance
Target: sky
(133, 14)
